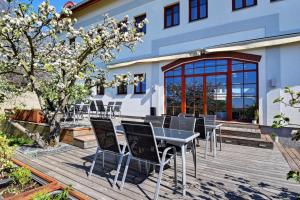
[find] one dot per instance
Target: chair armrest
(166, 151)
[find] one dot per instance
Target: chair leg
(103, 159)
(220, 138)
(125, 171)
(161, 169)
(93, 164)
(118, 170)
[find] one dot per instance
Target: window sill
(167, 27)
(237, 9)
(196, 20)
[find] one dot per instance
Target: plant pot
(254, 121)
(276, 139)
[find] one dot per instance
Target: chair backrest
(105, 134)
(210, 119)
(181, 115)
(93, 106)
(100, 105)
(110, 105)
(167, 121)
(118, 106)
(141, 140)
(156, 121)
(183, 123)
(189, 115)
(200, 127)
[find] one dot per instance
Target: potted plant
(256, 117)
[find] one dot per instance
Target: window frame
(140, 85)
(100, 90)
(122, 89)
(244, 5)
(198, 11)
(172, 15)
(141, 18)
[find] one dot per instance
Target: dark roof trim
(83, 4)
(220, 55)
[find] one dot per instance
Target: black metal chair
(156, 121)
(109, 108)
(142, 146)
(167, 121)
(212, 120)
(185, 124)
(107, 142)
(117, 108)
(96, 107)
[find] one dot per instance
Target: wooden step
(291, 155)
(68, 134)
(245, 141)
(238, 124)
(85, 142)
(241, 132)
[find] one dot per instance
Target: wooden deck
(238, 172)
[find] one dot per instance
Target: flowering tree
(282, 120)
(45, 51)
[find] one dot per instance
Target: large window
(239, 4)
(172, 15)
(173, 91)
(223, 87)
(140, 88)
(198, 9)
(244, 90)
(138, 20)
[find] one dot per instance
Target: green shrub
(43, 195)
(21, 176)
(18, 140)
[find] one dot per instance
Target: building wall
(279, 66)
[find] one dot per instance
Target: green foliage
(18, 140)
(43, 195)
(294, 176)
(281, 120)
(21, 176)
(6, 154)
(273, 135)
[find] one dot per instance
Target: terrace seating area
(238, 172)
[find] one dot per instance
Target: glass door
(216, 95)
(194, 95)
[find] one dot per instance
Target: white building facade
(230, 58)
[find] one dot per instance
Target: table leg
(215, 144)
(183, 150)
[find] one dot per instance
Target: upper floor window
(140, 88)
(198, 9)
(172, 16)
(138, 20)
(239, 4)
(100, 90)
(122, 88)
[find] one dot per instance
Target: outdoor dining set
(156, 141)
(93, 107)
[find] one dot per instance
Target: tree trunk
(54, 134)
(34, 136)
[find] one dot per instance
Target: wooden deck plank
(238, 172)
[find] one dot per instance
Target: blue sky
(57, 3)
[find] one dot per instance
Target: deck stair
(232, 132)
(245, 134)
